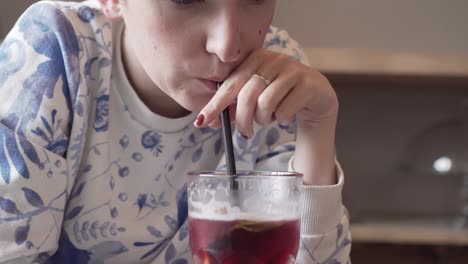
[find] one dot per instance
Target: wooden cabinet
(387, 99)
(386, 253)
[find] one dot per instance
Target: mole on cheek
(260, 32)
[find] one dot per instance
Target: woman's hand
(271, 86)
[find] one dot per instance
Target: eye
(186, 2)
(258, 2)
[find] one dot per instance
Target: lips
(210, 84)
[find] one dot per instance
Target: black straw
(227, 136)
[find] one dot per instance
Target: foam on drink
(252, 209)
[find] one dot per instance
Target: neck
(151, 95)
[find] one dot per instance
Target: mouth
(210, 84)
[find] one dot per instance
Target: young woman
(105, 105)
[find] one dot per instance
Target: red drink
(244, 241)
(256, 221)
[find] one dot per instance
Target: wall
(397, 25)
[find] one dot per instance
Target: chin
(195, 104)
(192, 96)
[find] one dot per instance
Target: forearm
(315, 152)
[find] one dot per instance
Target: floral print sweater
(88, 174)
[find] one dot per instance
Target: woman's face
(186, 46)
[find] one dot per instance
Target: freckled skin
(166, 54)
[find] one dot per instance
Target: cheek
(157, 43)
(260, 31)
(263, 30)
(167, 41)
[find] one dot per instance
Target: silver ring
(267, 82)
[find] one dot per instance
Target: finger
(232, 116)
(294, 102)
(230, 88)
(215, 123)
(232, 111)
(274, 94)
(247, 103)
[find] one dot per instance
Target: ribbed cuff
(322, 207)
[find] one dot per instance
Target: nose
(224, 39)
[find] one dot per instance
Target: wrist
(315, 152)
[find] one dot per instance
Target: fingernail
(282, 122)
(199, 121)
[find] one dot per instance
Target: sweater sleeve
(38, 65)
(325, 234)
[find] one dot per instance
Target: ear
(111, 8)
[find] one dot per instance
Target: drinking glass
(253, 217)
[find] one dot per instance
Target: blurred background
(400, 69)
